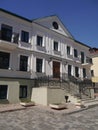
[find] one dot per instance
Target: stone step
(90, 102)
(87, 100)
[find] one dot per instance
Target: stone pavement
(14, 107)
(40, 118)
(10, 107)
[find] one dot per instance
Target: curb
(82, 109)
(76, 111)
(67, 113)
(52, 112)
(11, 110)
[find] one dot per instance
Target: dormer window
(55, 25)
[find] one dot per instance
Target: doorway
(56, 69)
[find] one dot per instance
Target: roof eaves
(82, 43)
(44, 17)
(8, 12)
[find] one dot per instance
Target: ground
(38, 119)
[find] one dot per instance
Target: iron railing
(72, 85)
(14, 37)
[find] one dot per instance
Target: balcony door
(56, 69)
(6, 32)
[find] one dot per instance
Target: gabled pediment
(55, 24)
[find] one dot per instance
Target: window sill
(23, 71)
(8, 69)
(41, 48)
(23, 99)
(57, 52)
(4, 101)
(76, 58)
(69, 56)
(40, 72)
(25, 42)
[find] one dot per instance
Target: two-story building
(94, 68)
(37, 48)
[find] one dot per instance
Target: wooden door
(56, 69)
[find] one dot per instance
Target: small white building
(35, 48)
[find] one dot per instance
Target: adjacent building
(37, 48)
(94, 68)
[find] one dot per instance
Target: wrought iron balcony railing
(14, 37)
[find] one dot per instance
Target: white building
(37, 48)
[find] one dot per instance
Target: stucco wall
(95, 66)
(13, 88)
(39, 95)
(56, 96)
(46, 96)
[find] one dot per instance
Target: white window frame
(28, 64)
(43, 39)
(58, 45)
(43, 64)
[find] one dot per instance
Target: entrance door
(56, 69)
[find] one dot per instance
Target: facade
(36, 48)
(94, 68)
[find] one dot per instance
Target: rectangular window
(6, 32)
(76, 71)
(75, 53)
(39, 41)
(68, 50)
(4, 60)
(3, 91)
(82, 57)
(24, 36)
(23, 91)
(84, 73)
(89, 60)
(55, 46)
(39, 64)
(95, 90)
(92, 73)
(69, 70)
(23, 63)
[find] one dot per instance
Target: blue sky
(79, 16)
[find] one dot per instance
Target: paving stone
(37, 118)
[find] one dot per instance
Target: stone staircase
(71, 87)
(90, 102)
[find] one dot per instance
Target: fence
(72, 85)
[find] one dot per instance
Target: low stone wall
(45, 96)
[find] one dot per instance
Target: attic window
(55, 25)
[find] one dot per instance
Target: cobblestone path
(35, 119)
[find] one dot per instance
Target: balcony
(9, 42)
(14, 73)
(88, 62)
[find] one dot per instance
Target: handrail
(72, 85)
(14, 38)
